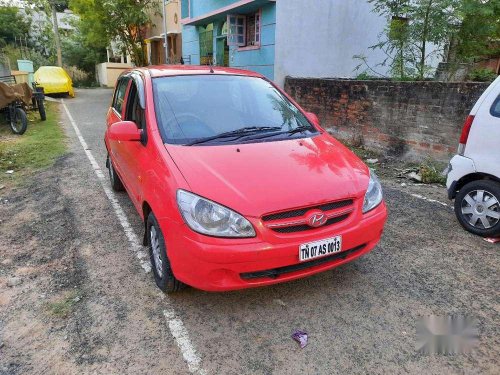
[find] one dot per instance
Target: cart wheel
(41, 109)
(19, 122)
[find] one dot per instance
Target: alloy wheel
(481, 209)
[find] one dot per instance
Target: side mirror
(313, 118)
(125, 131)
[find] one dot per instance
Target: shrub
(482, 75)
(431, 174)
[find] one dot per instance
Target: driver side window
(119, 98)
(134, 111)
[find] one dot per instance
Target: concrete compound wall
(413, 120)
(108, 73)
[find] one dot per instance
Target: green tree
(13, 24)
(123, 20)
(77, 52)
(478, 35)
(414, 26)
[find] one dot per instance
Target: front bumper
(230, 264)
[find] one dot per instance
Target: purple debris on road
(301, 338)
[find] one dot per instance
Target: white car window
(495, 108)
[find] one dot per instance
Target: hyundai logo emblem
(316, 219)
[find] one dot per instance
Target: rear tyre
(116, 183)
(164, 277)
(477, 207)
(18, 121)
(41, 109)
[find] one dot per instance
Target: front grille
(275, 272)
(302, 211)
(304, 227)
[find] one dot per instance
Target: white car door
(483, 144)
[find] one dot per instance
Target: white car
(474, 174)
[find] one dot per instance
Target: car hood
(258, 178)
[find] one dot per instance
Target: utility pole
(165, 38)
(56, 33)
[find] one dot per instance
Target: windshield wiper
(235, 133)
(300, 129)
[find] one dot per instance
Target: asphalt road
(361, 317)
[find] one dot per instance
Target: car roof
(176, 70)
(50, 67)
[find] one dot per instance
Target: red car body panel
(271, 176)
(254, 180)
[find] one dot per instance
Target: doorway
(222, 48)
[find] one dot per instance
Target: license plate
(319, 249)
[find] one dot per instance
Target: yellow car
(54, 80)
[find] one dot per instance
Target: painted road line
(175, 324)
(181, 336)
(431, 200)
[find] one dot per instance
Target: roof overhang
(155, 37)
(242, 6)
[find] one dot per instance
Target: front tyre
(164, 277)
(116, 183)
(477, 207)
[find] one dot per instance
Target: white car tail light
(465, 134)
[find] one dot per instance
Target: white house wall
(318, 38)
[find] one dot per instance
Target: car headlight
(210, 218)
(373, 196)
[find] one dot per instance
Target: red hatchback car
(237, 185)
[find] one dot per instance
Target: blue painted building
(283, 38)
(234, 33)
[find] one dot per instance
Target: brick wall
(413, 120)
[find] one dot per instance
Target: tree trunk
(425, 31)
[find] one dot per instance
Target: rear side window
(120, 95)
(495, 108)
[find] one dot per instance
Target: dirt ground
(75, 300)
(62, 318)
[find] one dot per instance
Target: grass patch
(63, 307)
(431, 174)
(39, 147)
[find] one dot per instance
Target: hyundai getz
(237, 185)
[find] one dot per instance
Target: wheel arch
(474, 177)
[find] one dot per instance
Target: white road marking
(183, 342)
(175, 324)
(431, 200)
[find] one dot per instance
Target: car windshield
(205, 108)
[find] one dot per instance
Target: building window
(244, 30)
